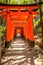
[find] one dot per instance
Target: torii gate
(19, 17)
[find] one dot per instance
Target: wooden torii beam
(8, 12)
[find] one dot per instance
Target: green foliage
(42, 7)
(37, 26)
(2, 30)
(0, 0)
(36, 23)
(17, 1)
(21, 1)
(12, 2)
(2, 27)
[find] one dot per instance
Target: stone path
(19, 54)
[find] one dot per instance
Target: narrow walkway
(19, 54)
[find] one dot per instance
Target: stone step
(19, 54)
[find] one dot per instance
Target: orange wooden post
(14, 30)
(31, 30)
(11, 30)
(25, 32)
(22, 32)
(7, 31)
(28, 32)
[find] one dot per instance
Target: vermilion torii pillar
(19, 17)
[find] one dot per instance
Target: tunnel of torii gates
(19, 19)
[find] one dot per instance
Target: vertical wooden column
(22, 31)
(31, 31)
(7, 31)
(12, 30)
(26, 31)
(30, 28)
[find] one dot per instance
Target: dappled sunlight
(19, 54)
(21, 60)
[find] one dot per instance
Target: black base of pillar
(7, 44)
(31, 44)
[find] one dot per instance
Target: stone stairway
(19, 54)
